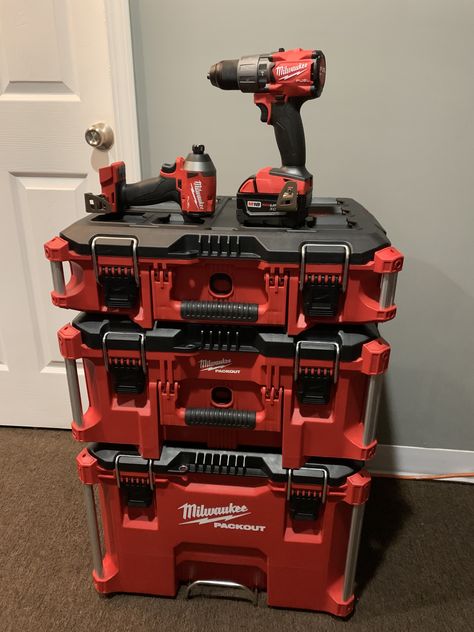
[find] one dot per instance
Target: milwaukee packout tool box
(149, 265)
(226, 387)
(213, 518)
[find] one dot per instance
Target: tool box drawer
(226, 387)
(205, 517)
(147, 265)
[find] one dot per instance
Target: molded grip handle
(289, 133)
(226, 417)
(151, 191)
(219, 310)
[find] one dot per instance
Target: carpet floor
(416, 566)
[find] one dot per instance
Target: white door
(64, 65)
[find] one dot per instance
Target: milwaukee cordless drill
(281, 82)
(190, 181)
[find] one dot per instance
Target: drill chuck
(224, 74)
(248, 74)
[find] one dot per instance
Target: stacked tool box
(233, 375)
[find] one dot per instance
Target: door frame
(119, 36)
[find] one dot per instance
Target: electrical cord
(429, 477)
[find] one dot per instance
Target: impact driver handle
(151, 191)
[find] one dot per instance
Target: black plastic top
(162, 233)
(182, 461)
(190, 337)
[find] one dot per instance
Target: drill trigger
(263, 112)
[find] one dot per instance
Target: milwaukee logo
(201, 514)
(218, 366)
(219, 516)
(286, 72)
(196, 188)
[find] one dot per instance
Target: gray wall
(394, 129)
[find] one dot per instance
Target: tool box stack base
(205, 516)
(233, 376)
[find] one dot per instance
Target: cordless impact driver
(190, 181)
(281, 82)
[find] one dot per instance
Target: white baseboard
(406, 460)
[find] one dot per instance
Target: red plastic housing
(83, 292)
(192, 289)
(197, 190)
(154, 549)
(227, 381)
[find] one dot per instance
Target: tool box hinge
(128, 374)
(137, 490)
(314, 384)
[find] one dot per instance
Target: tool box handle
(223, 417)
(219, 310)
(181, 460)
(221, 583)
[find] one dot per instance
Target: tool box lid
(161, 233)
(189, 337)
(184, 460)
(183, 337)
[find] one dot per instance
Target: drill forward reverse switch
(281, 82)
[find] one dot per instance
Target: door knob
(100, 136)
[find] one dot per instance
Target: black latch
(314, 384)
(321, 296)
(136, 494)
(120, 283)
(314, 387)
(321, 293)
(136, 490)
(120, 287)
(127, 377)
(305, 504)
(128, 374)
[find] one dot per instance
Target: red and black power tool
(281, 82)
(190, 181)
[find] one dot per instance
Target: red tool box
(223, 518)
(226, 387)
(149, 265)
